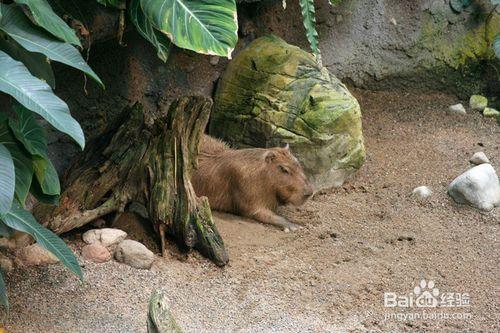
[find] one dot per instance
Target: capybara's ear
(270, 156)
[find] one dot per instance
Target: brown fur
(250, 182)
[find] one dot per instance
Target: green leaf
(22, 220)
(496, 45)
(495, 2)
(208, 27)
(28, 131)
(37, 63)
(146, 29)
(37, 192)
(3, 292)
(22, 162)
(36, 95)
(47, 176)
(7, 180)
(309, 20)
(45, 17)
(16, 25)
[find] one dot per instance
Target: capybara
(250, 182)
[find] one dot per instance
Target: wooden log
(146, 158)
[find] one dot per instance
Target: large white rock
(478, 187)
(106, 236)
(134, 254)
(457, 109)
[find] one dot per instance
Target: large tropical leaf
(208, 27)
(37, 63)
(146, 29)
(37, 192)
(36, 95)
(16, 25)
(28, 131)
(7, 180)
(3, 292)
(309, 20)
(47, 176)
(44, 16)
(496, 45)
(22, 161)
(22, 220)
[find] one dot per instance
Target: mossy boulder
(274, 93)
(478, 103)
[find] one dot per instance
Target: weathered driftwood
(160, 319)
(145, 158)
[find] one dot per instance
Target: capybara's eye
(284, 169)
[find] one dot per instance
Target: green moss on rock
(478, 103)
(274, 93)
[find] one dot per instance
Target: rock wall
(394, 43)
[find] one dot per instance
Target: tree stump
(146, 158)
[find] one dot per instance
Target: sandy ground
(358, 241)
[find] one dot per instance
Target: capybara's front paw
(291, 227)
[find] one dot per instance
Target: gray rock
(478, 187)
(34, 255)
(134, 254)
(106, 236)
(422, 192)
(457, 109)
(479, 158)
(478, 103)
(95, 252)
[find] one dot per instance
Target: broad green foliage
(36, 95)
(7, 179)
(31, 34)
(37, 63)
(22, 220)
(16, 25)
(45, 17)
(208, 27)
(146, 29)
(309, 20)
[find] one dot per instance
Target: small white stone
(478, 187)
(479, 158)
(457, 109)
(106, 236)
(134, 254)
(422, 192)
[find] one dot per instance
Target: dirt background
(359, 241)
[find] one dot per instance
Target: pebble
(95, 252)
(457, 109)
(214, 60)
(34, 255)
(491, 113)
(479, 158)
(478, 187)
(478, 103)
(106, 236)
(422, 192)
(134, 254)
